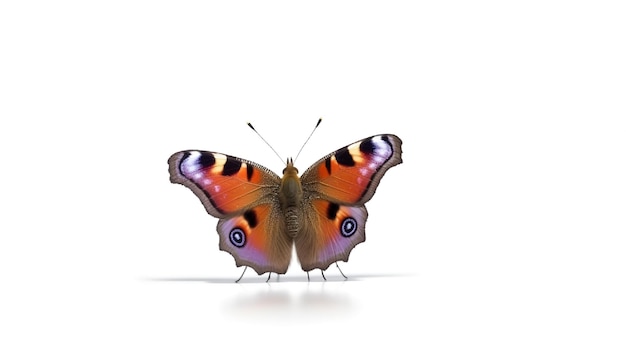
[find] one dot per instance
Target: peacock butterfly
(261, 215)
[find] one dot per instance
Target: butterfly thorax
(290, 197)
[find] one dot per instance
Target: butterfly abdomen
(292, 221)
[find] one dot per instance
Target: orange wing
(225, 184)
(336, 189)
(330, 232)
(351, 174)
(244, 196)
(257, 239)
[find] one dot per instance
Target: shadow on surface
(291, 297)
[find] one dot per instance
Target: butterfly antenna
(266, 143)
(307, 139)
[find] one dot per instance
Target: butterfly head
(290, 170)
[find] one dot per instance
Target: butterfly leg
(268, 277)
(337, 264)
(323, 276)
(307, 276)
(244, 271)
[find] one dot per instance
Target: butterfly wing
(330, 232)
(257, 238)
(351, 174)
(224, 184)
(243, 195)
(336, 189)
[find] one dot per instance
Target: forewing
(351, 174)
(224, 184)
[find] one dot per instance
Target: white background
(502, 230)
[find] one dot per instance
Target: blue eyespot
(237, 237)
(348, 227)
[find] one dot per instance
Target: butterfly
(262, 215)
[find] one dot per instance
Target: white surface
(502, 230)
